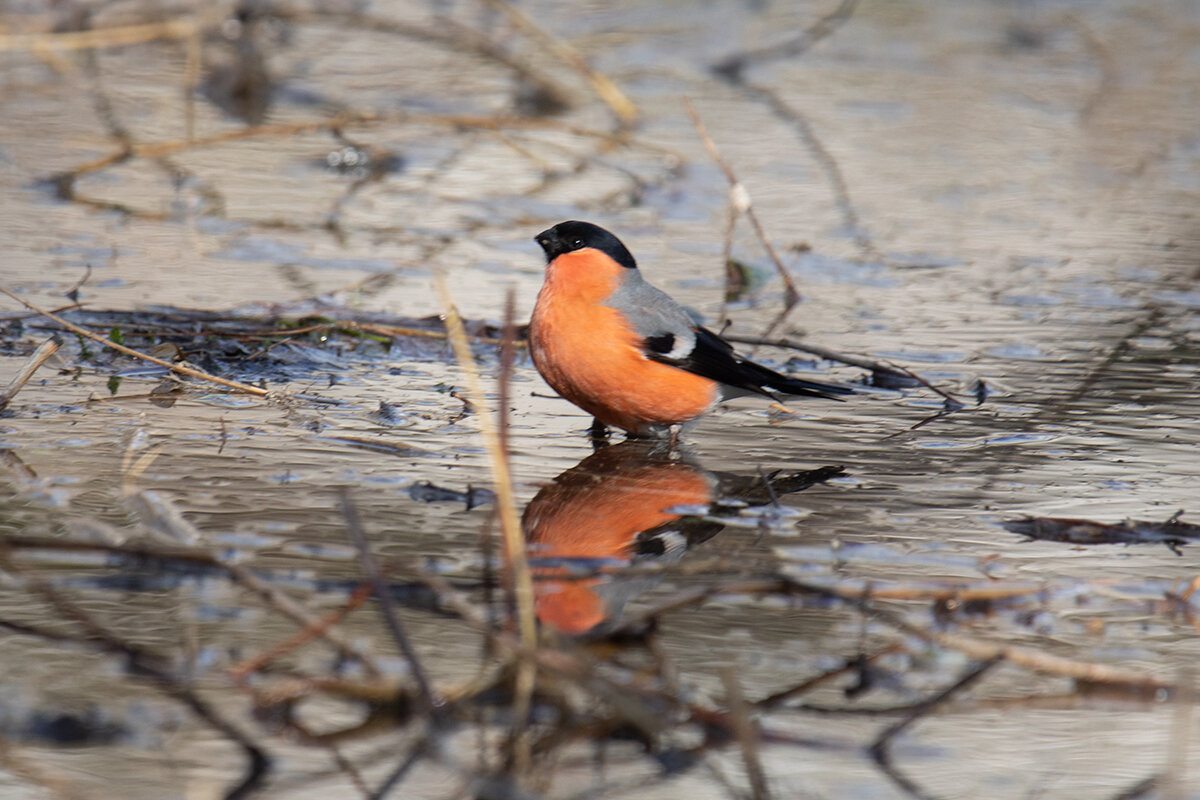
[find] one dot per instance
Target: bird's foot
(598, 434)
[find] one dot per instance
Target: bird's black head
(568, 236)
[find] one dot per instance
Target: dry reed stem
(608, 91)
(739, 199)
(120, 348)
(510, 523)
(35, 360)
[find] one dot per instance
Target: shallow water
(990, 192)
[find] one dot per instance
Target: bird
(625, 352)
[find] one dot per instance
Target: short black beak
(550, 243)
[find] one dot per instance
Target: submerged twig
(739, 200)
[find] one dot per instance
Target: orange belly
(590, 356)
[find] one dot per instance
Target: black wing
(712, 357)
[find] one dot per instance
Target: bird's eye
(577, 243)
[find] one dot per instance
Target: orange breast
(590, 354)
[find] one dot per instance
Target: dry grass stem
(510, 523)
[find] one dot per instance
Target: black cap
(566, 237)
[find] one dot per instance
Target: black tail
(798, 386)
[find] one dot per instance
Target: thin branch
(732, 66)
(238, 672)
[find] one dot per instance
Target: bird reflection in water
(628, 503)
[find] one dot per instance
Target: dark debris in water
(63, 728)
(473, 497)
(1173, 533)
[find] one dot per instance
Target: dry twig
(35, 360)
(739, 200)
(120, 348)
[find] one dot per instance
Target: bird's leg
(598, 434)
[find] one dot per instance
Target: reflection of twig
(833, 172)
(180, 368)
(65, 180)
(449, 33)
(731, 70)
(773, 700)
(880, 748)
(415, 754)
(36, 359)
(387, 603)
(979, 649)
(272, 596)
(608, 91)
(149, 665)
(732, 66)
(739, 199)
(1107, 80)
